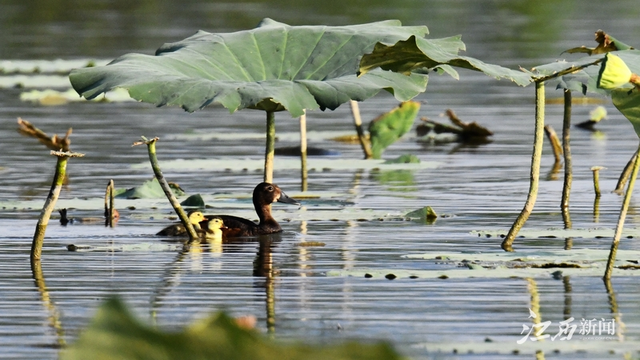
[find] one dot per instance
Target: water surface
(475, 187)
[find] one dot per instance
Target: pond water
(356, 211)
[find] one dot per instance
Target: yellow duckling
(214, 228)
(177, 229)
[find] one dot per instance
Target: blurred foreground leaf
(115, 334)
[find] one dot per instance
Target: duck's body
(195, 217)
(263, 196)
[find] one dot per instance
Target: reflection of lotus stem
(535, 170)
(613, 307)
(303, 151)
(270, 147)
(532, 286)
(623, 215)
(568, 171)
(366, 146)
(555, 143)
(54, 314)
(50, 203)
(151, 147)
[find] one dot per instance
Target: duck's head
(195, 216)
(266, 193)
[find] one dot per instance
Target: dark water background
(477, 187)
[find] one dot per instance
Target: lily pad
(57, 66)
(150, 189)
(522, 264)
(54, 97)
(317, 164)
(562, 233)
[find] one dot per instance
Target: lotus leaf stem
(534, 178)
(624, 176)
(50, 203)
(623, 215)
(596, 179)
(357, 120)
(151, 147)
(568, 170)
(303, 151)
(270, 147)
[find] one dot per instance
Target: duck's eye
(270, 188)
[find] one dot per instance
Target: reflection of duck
(195, 216)
(263, 196)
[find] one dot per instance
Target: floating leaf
(149, 190)
(115, 334)
(193, 201)
(390, 126)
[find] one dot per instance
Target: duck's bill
(286, 199)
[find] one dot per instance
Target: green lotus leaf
(419, 54)
(272, 67)
(628, 102)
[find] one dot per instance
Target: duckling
(264, 195)
(213, 230)
(177, 229)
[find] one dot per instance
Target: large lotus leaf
(115, 334)
(272, 67)
(418, 53)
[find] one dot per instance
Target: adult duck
(263, 196)
(177, 229)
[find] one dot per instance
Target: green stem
(568, 172)
(623, 215)
(50, 203)
(303, 151)
(357, 121)
(535, 170)
(624, 176)
(270, 147)
(151, 146)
